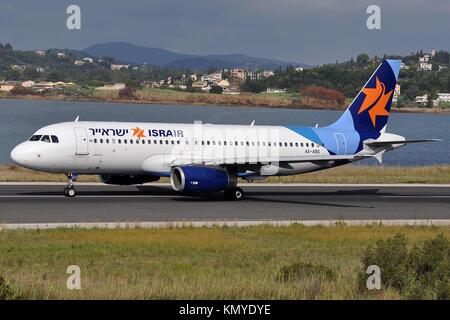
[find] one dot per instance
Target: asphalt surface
(99, 203)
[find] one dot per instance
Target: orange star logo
(376, 98)
(138, 132)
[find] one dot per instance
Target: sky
(312, 32)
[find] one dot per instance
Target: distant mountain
(130, 53)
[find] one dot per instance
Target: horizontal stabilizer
(384, 143)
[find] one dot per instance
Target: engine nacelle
(192, 179)
(127, 179)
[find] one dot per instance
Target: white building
(422, 99)
(424, 66)
(113, 87)
(267, 73)
(28, 84)
(78, 62)
(274, 90)
(40, 53)
(61, 55)
(404, 66)
(88, 60)
(18, 67)
(424, 58)
(396, 93)
(238, 73)
(299, 69)
(119, 66)
(252, 75)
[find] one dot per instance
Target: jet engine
(198, 179)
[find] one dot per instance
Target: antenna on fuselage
(76, 119)
(253, 122)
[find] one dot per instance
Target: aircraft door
(341, 144)
(81, 141)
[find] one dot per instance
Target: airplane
(206, 158)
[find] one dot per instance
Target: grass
(260, 262)
(344, 174)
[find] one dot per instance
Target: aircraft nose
(18, 155)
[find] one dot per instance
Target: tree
(216, 89)
(362, 58)
(127, 93)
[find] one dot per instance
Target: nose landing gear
(69, 190)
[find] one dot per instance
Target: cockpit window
(55, 139)
(35, 137)
(45, 138)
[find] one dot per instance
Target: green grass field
(194, 263)
(344, 174)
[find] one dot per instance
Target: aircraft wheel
(234, 194)
(70, 192)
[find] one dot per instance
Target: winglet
(77, 118)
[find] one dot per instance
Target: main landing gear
(234, 194)
(69, 190)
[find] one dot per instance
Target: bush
(6, 291)
(301, 270)
(420, 273)
(127, 93)
(18, 90)
(321, 93)
(216, 89)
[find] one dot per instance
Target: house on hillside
(422, 99)
(112, 87)
(117, 67)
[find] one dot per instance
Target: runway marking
(222, 223)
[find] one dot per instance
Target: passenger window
(45, 139)
(55, 139)
(125, 141)
(95, 140)
(312, 145)
(36, 138)
(119, 141)
(131, 141)
(137, 141)
(301, 144)
(143, 141)
(290, 144)
(107, 140)
(101, 140)
(296, 144)
(307, 144)
(167, 141)
(160, 142)
(172, 142)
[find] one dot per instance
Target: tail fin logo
(376, 99)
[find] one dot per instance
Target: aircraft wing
(262, 160)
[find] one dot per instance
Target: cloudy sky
(306, 31)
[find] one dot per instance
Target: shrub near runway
(261, 262)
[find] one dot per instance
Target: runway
(44, 203)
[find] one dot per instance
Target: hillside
(131, 53)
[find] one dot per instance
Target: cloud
(300, 30)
